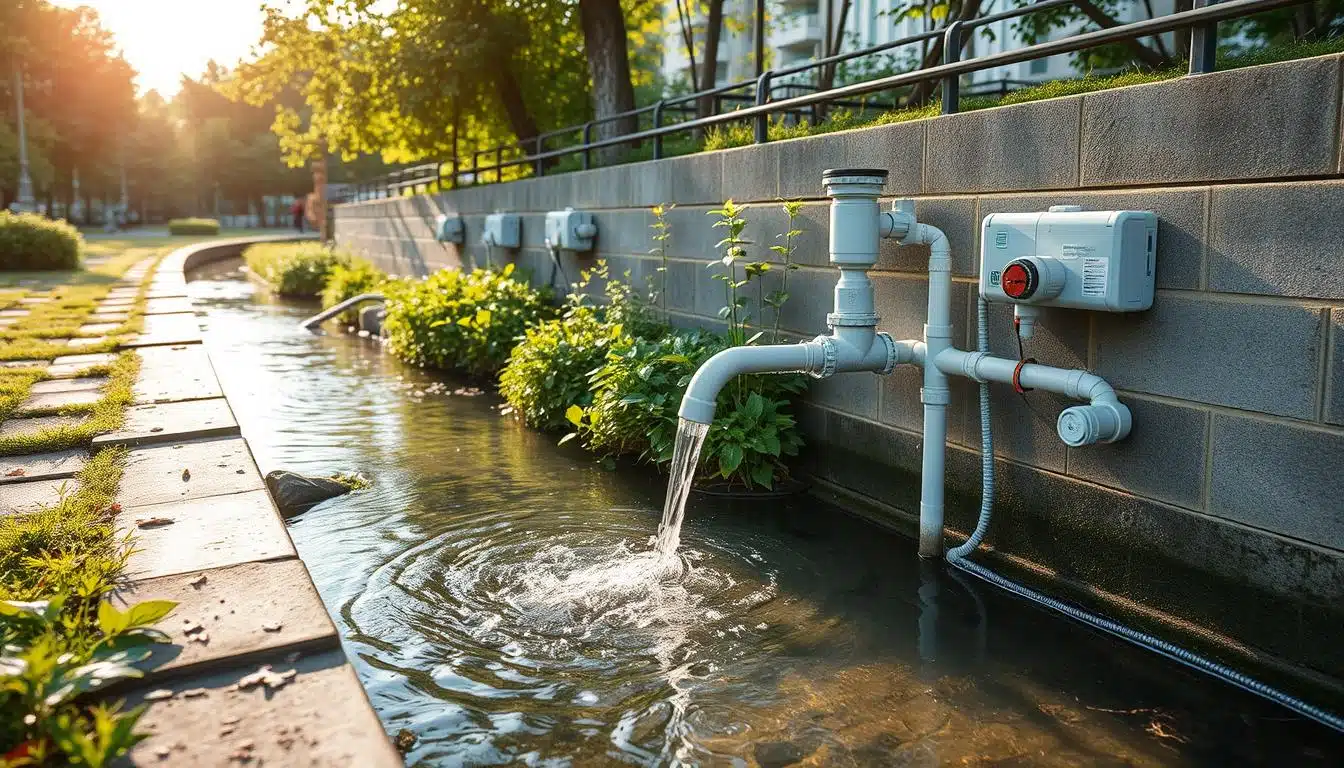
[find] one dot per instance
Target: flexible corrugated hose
(957, 558)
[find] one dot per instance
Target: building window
(1039, 66)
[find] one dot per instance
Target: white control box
(502, 230)
(570, 230)
(448, 229)
(1068, 257)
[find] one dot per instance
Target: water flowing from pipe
(685, 457)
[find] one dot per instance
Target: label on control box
(1075, 251)
(1094, 277)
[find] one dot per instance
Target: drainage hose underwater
(957, 557)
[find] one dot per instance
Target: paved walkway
(254, 673)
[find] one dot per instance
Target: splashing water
(685, 457)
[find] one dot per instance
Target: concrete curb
(209, 536)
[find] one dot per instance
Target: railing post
(475, 167)
(499, 163)
(762, 97)
(540, 164)
(658, 123)
(1203, 43)
(952, 54)
(587, 137)
(452, 180)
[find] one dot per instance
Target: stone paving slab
(167, 306)
(220, 466)
(123, 293)
(42, 466)
(23, 363)
(175, 373)
(242, 609)
(41, 401)
(92, 358)
(167, 293)
(177, 328)
(21, 427)
(34, 300)
(29, 496)
(172, 422)
(5, 322)
(81, 384)
(14, 313)
(321, 717)
(115, 304)
(99, 327)
(110, 317)
(206, 532)
(87, 342)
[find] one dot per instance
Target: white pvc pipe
(1105, 419)
(717, 371)
(331, 312)
(935, 394)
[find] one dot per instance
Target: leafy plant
(49, 660)
(461, 321)
(547, 373)
(29, 241)
(349, 279)
(662, 232)
(193, 227)
(294, 269)
(776, 299)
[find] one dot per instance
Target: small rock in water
(186, 475)
(198, 581)
(586, 697)
(160, 695)
(153, 522)
(271, 626)
(405, 740)
(295, 493)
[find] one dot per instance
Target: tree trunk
(609, 68)
(521, 121)
(826, 77)
(709, 69)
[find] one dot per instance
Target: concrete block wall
(1224, 510)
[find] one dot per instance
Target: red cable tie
(1017, 376)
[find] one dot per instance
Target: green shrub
(29, 241)
(638, 390)
(193, 227)
(548, 369)
(348, 280)
(461, 321)
(294, 269)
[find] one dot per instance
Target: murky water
(497, 595)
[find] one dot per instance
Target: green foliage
(29, 241)
(466, 322)
(355, 481)
(348, 280)
(777, 298)
(662, 232)
(294, 269)
(636, 394)
(547, 373)
(60, 636)
(193, 227)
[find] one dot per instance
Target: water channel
(497, 596)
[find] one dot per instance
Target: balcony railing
(755, 100)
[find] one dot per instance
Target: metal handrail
(1199, 19)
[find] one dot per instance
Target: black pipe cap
(833, 172)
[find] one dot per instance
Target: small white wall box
(1068, 257)
(570, 230)
(448, 229)
(502, 230)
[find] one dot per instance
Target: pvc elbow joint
(1104, 421)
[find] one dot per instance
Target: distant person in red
(297, 209)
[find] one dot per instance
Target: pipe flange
(890, 343)
(829, 357)
(851, 319)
